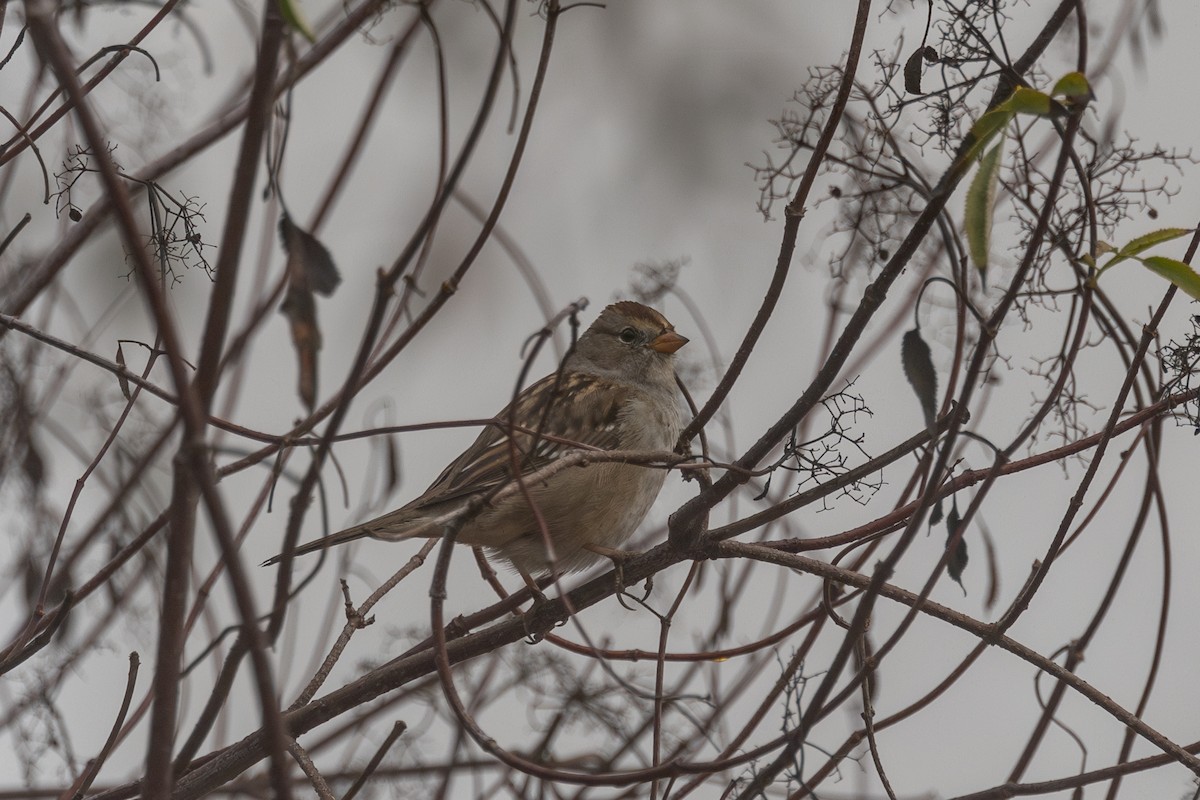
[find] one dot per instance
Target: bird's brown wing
(568, 412)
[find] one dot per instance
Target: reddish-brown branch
(241, 196)
(361, 371)
(793, 214)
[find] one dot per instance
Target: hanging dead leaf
(310, 269)
(958, 557)
(307, 255)
(391, 453)
(917, 361)
(912, 71)
(122, 381)
(300, 308)
(936, 514)
(993, 583)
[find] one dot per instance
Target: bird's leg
(534, 589)
(618, 559)
(539, 597)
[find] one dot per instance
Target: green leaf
(981, 200)
(1176, 272)
(1028, 101)
(295, 19)
(1143, 243)
(1023, 100)
(985, 129)
(1073, 86)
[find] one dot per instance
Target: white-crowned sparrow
(615, 391)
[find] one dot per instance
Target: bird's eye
(628, 336)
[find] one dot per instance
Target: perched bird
(615, 391)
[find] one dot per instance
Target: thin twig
(81, 786)
(396, 732)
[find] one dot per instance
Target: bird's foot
(618, 559)
(539, 600)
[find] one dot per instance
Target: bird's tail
(333, 540)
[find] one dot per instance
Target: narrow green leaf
(981, 200)
(295, 19)
(1073, 86)
(985, 129)
(1143, 243)
(1176, 272)
(1028, 101)
(1023, 100)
